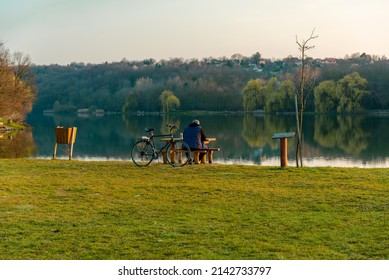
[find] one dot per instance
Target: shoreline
(308, 163)
(50, 113)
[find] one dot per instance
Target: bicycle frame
(152, 136)
(145, 149)
(157, 150)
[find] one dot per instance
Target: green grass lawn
(59, 209)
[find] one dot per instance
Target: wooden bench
(208, 152)
(196, 155)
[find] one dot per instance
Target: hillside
(208, 84)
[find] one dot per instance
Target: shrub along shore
(59, 209)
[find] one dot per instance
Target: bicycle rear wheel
(142, 153)
(178, 153)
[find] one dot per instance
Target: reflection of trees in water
(18, 146)
(65, 120)
(136, 124)
(258, 130)
(170, 119)
(238, 136)
(131, 124)
(343, 132)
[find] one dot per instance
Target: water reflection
(246, 139)
(344, 132)
(17, 144)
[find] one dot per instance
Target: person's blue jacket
(194, 136)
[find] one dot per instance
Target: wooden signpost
(283, 136)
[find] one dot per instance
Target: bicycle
(144, 151)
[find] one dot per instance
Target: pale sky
(96, 31)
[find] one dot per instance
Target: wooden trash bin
(65, 135)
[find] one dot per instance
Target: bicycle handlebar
(171, 126)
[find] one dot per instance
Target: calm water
(360, 141)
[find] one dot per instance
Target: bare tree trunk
(301, 139)
(298, 131)
(300, 96)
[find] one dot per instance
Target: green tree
(326, 98)
(275, 102)
(254, 95)
(272, 85)
(131, 104)
(272, 96)
(351, 91)
(287, 90)
(169, 101)
(280, 97)
(255, 58)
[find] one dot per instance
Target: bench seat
(209, 153)
(196, 155)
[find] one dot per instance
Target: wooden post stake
(283, 146)
(55, 150)
(284, 152)
(72, 134)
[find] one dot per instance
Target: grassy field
(59, 209)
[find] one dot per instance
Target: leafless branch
(303, 45)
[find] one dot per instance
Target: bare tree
(306, 81)
(17, 91)
(22, 66)
(4, 68)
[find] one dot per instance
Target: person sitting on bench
(194, 136)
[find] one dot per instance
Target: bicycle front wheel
(142, 153)
(178, 153)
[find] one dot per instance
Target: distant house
(256, 69)
(83, 111)
(87, 112)
(329, 60)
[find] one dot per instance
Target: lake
(329, 140)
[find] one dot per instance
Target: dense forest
(354, 83)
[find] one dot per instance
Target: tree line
(17, 90)
(349, 94)
(137, 86)
(234, 84)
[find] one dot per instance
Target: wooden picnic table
(196, 153)
(207, 141)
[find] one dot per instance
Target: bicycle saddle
(149, 129)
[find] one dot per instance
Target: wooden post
(283, 146)
(180, 156)
(196, 156)
(204, 159)
(210, 156)
(172, 155)
(55, 150)
(284, 152)
(72, 133)
(164, 157)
